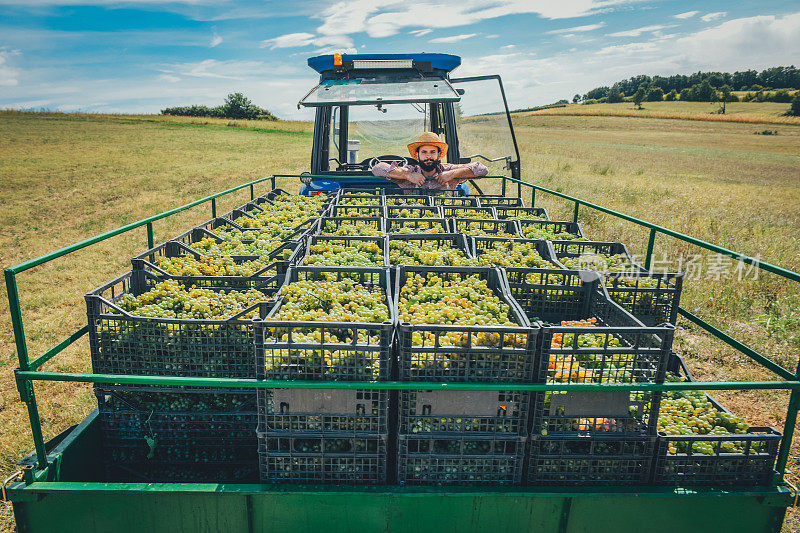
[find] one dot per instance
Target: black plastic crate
(347, 241)
(177, 433)
(267, 279)
(526, 213)
(483, 353)
(280, 356)
(329, 225)
(250, 234)
(543, 247)
(497, 200)
(471, 460)
(440, 412)
(407, 200)
(358, 211)
(652, 297)
(554, 229)
(480, 227)
(122, 343)
(322, 411)
(353, 460)
(417, 225)
(752, 465)
(458, 211)
(344, 191)
(275, 249)
(462, 201)
(457, 241)
(590, 460)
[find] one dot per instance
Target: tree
(615, 95)
(795, 109)
(638, 97)
(576, 99)
(705, 92)
(687, 95)
(725, 96)
(671, 96)
(654, 94)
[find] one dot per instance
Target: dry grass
(742, 112)
(66, 177)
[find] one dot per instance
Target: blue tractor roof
(445, 62)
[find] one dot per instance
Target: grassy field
(67, 177)
(745, 112)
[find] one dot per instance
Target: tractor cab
(369, 107)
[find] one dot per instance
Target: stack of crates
(325, 435)
(587, 437)
(463, 437)
(156, 433)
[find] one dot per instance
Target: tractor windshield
(383, 131)
(484, 132)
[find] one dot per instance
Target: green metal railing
(28, 371)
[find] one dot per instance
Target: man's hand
(416, 178)
(447, 176)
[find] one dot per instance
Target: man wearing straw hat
(431, 172)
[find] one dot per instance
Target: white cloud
(508, 46)
(215, 40)
(8, 75)
(686, 14)
(492, 36)
(453, 38)
(638, 31)
(420, 33)
(169, 77)
(293, 40)
(574, 29)
(708, 17)
(384, 18)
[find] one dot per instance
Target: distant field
(67, 177)
(747, 112)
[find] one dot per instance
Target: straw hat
(431, 139)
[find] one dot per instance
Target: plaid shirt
(382, 170)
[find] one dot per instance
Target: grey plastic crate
(457, 241)
(322, 411)
(439, 412)
(522, 212)
(353, 460)
(590, 460)
(417, 225)
(462, 201)
(470, 460)
(358, 211)
(497, 200)
(414, 211)
(347, 241)
(407, 200)
(556, 228)
(123, 343)
(325, 360)
(328, 225)
(508, 359)
(457, 211)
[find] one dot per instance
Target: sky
(139, 56)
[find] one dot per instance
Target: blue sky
(141, 56)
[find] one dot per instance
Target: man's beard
(429, 165)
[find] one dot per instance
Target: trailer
(71, 483)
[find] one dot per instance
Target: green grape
(354, 253)
(427, 252)
(209, 266)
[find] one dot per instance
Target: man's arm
(461, 173)
(397, 174)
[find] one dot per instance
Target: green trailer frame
(59, 489)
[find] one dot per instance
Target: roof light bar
(382, 63)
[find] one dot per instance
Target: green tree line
(236, 106)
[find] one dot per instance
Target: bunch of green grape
(352, 253)
(408, 200)
(409, 226)
(356, 200)
(479, 228)
(354, 228)
(693, 413)
(209, 266)
(169, 299)
(180, 402)
(513, 254)
(427, 252)
(413, 212)
(212, 248)
(461, 212)
(332, 301)
(451, 300)
(610, 263)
